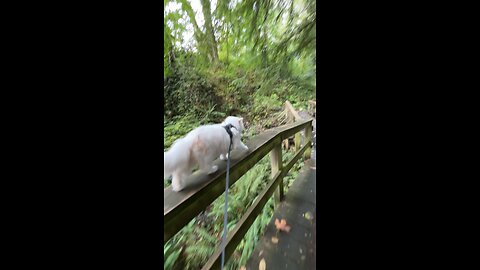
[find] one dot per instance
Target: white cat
(201, 147)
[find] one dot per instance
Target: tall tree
(209, 33)
(224, 14)
(198, 34)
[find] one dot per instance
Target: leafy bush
(176, 128)
(188, 91)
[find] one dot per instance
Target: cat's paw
(176, 188)
(213, 169)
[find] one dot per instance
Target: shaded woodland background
(236, 58)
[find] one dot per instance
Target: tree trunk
(210, 35)
(227, 41)
(198, 34)
(264, 47)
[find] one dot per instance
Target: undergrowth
(213, 93)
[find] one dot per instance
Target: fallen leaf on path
(282, 225)
(308, 216)
(262, 265)
(274, 240)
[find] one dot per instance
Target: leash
(224, 238)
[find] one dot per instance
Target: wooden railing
(181, 207)
(293, 116)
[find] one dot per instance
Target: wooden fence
(181, 207)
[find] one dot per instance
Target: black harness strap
(224, 237)
(227, 128)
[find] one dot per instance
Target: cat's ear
(240, 121)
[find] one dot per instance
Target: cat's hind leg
(178, 179)
(206, 166)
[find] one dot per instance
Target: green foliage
(187, 91)
(177, 127)
(264, 48)
(293, 173)
(265, 105)
(170, 256)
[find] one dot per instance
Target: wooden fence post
(276, 163)
(308, 137)
(298, 141)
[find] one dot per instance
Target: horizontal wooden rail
(292, 114)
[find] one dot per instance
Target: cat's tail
(177, 156)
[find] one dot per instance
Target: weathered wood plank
(181, 207)
(292, 111)
(276, 163)
(308, 136)
(301, 125)
(298, 141)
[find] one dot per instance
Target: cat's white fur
(201, 147)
